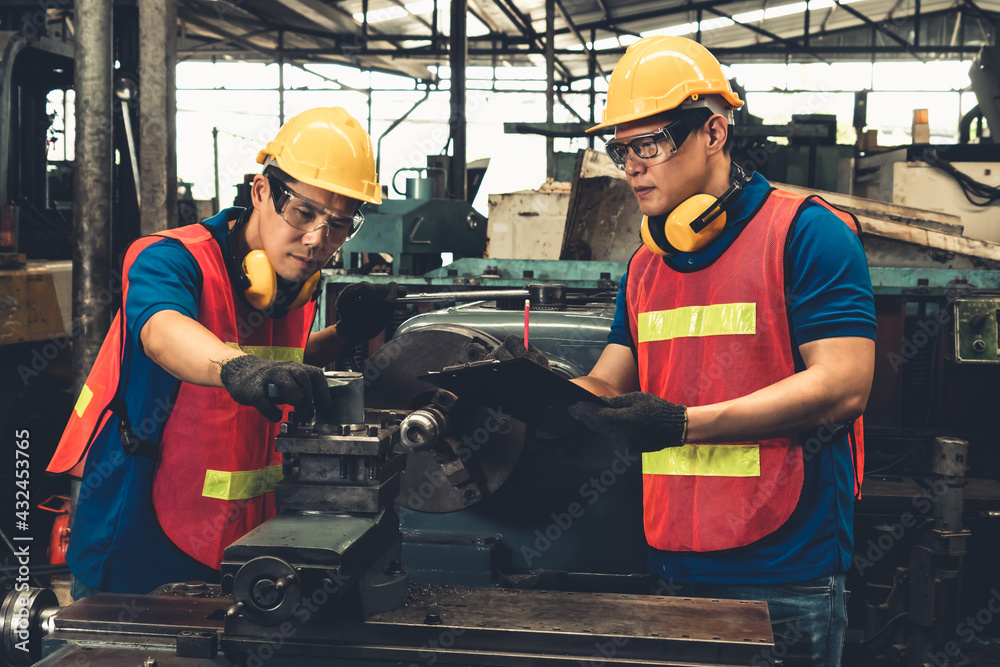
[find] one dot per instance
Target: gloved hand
(513, 348)
(364, 309)
(641, 422)
(300, 385)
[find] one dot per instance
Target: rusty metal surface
(488, 626)
(493, 626)
(637, 617)
(602, 222)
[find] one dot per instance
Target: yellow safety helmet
(327, 148)
(661, 73)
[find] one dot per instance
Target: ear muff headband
(694, 223)
(259, 281)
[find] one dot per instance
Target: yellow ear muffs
(685, 229)
(308, 287)
(682, 227)
(689, 227)
(646, 234)
(695, 223)
(263, 289)
(263, 280)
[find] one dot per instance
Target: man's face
(661, 184)
(297, 253)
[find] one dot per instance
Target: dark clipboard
(522, 389)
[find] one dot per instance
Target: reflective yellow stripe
(83, 401)
(269, 353)
(242, 484)
(718, 320)
(704, 461)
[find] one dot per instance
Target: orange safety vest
(216, 471)
(714, 334)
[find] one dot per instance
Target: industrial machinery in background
(416, 230)
(35, 223)
(962, 179)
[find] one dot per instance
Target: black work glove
(364, 310)
(513, 348)
(641, 422)
(246, 378)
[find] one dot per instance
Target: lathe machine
(418, 527)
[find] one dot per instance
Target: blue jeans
(78, 589)
(808, 618)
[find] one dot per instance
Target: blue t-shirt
(116, 544)
(830, 297)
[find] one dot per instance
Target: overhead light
(396, 12)
(746, 17)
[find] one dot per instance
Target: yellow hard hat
(660, 73)
(328, 148)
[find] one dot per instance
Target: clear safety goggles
(647, 146)
(306, 215)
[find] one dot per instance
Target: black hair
(672, 115)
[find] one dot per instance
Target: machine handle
(413, 232)
(399, 171)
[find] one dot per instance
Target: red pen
(527, 308)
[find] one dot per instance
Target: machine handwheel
(267, 590)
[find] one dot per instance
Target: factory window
(62, 132)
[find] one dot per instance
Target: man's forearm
(789, 407)
(595, 385)
(185, 348)
(324, 347)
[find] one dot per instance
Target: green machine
(417, 229)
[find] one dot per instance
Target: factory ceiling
(409, 36)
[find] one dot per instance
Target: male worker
(739, 361)
(176, 411)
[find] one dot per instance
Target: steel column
(550, 88)
(92, 293)
(591, 74)
(215, 155)
(154, 133)
(171, 110)
(459, 55)
(93, 290)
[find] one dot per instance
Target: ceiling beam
(230, 37)
(337, 20)
(878, 26)
(523, 24)
(760, 31)
(583, 42)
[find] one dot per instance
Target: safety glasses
(647, 146)
(306, 215)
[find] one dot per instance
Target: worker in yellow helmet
(173, 433)
(740, 358)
